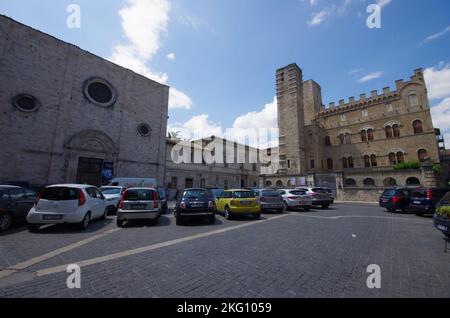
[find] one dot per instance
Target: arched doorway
(413, 181)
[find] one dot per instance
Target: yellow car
(238, 202)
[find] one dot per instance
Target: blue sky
(220, 56)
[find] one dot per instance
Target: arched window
(396, 129)
(348, 138)
(370, 134)
(279, 184)
(345, 163)
(369, 182)
(367, 161)
(350, 163)
(413, 181)
(389, 133)
(327, 141)
(418, 127)
(364, 136)
(413, 101)
(400, 157)
(373, 160)
(350, 183)
(330, 164)
(341, 139)
(268, 184)
(422, 155)
(392, 159)
(390, 182)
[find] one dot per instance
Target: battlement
(374, 97)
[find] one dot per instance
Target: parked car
(162, 195)
(134, 182)
(195, 203)
(442, 216)
(423, 200)
(238, 202)
(296, 199)
(269, 200)
(113, 195)
(15, 203)
(67, 204)
(330, 192)
(395, 199)
(319, 196)
(139, 204)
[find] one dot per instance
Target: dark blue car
(195, 203)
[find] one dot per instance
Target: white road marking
(24, 265)
(355, 217)
(106, 258)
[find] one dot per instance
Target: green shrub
(444, 211)
(408, 165)
(437, 168)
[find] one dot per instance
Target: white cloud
(383, 3)
(370, 77)
(437, 35)
(313, 2)
(321, 16)
(356, 71)
(245, 125)
(438, 81)
(171, 56)
(178, 99)
(144, 23)
(441, 114)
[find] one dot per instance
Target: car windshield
(297, 192)
(217, 193)
(270, 193)
(195, 194)
(60, 194)
(319, 190)
(389, 193)
(243, 194)
(419, 194)
(139, 195)
(111, 190)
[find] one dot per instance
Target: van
(134, 182)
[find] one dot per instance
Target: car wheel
(325, 206)
(119, 223)
(179, 221)
(85, 223)
(5, 221)
(212, 220)
(286, 207)
(33, 228)
(307, 209)
(228, 214)
(257, 216)
(447, 234)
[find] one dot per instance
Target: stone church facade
(68, 116)
(352, 147)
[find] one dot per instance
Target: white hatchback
(67, 204)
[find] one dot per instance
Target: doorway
(90, 171)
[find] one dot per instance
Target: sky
(220, 56)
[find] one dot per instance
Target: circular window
(100, 92)
(369, 182)
(144, 130)
(26, 103)
(350, 183)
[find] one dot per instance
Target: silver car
(296, 199)
(270, 200)
(139, 204)
(319, 196)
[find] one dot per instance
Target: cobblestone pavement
(322, 253)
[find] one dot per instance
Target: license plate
(442, 228)
(52, 217)
(417, 202)
(138, 206)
